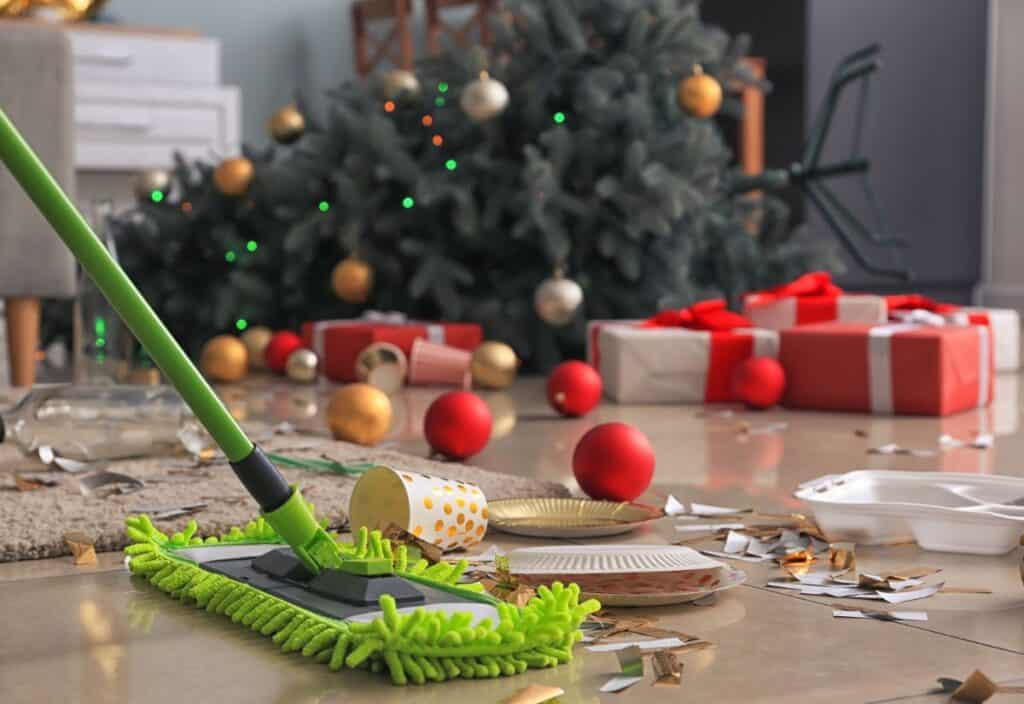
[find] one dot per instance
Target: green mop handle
(283, 508)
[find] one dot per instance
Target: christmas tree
(584, 141)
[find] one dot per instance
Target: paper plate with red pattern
(626, 575)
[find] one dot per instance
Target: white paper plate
(605, 559)
(731, 577)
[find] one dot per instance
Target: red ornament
(759, 382)
(281, 345)
(458, 424)
(613, 461)
(574, 388)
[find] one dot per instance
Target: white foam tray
(942, 511)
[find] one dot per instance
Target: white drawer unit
(132, 126)
(115, 55)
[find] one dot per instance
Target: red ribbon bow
(915, 301)
(816, 283)
(710, 315)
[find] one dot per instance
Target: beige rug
(32, 523)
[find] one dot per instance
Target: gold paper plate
(568, 518)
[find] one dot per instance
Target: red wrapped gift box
(678, 356)
(339, 342)
(900, 368)
(812, 298)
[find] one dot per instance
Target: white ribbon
(880, 357)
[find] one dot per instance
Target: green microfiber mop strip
(417, 647)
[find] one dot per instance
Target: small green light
(156, 196)
(558, 117)
(241, 324)
(439, 101)
(408, 202)
(100, 326)
(100, 342)
(324, 206)
(451, 165)
(230, 256)
(251, 245)
(442, 87)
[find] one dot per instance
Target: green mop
(359, 605)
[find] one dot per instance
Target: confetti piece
(881, 615)
(673, 507)
(535, 694)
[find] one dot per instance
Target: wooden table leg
(22, 338)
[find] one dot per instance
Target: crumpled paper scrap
(668, 671)
(503, 585)
(842, 556)
(399, 536)
(82, 547)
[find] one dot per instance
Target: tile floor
(96, 635)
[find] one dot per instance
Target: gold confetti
(668, 672)
(535, 694)
(841, 556)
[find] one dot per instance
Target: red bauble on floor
(458, 424)
(759, 382)
(574, 388)
(280, 347)
(613, 461)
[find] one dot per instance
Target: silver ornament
(557, 299)
(301, 366)
(399, 83)
(484, 98)
(150, 181)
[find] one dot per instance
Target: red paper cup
(433, 364)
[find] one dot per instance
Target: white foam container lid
(942, 511)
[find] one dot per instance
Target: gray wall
(928, 133)
(273, 50)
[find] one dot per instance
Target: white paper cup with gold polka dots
(445, 512)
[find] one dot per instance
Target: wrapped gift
(339, 342)
(1004, 324)
(907, 368)
(678, 356)
(812, 298)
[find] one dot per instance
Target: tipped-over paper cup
(430, 363)
(444, 512)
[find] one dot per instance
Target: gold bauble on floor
(494, 365)
(359, 413)
(224, 358)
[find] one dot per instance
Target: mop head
(430, 643)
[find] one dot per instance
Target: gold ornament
(700, 94)
(383, 365)
(399, 83)
(224, 358)
(301, 366)
(55, 10)
(352, 280)
(233, 176)
(494, 365)
(14, 8)
(484, 98)
(359, 413)
(256, 340)
(150, 182)
(286, 125)
(557, 299)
